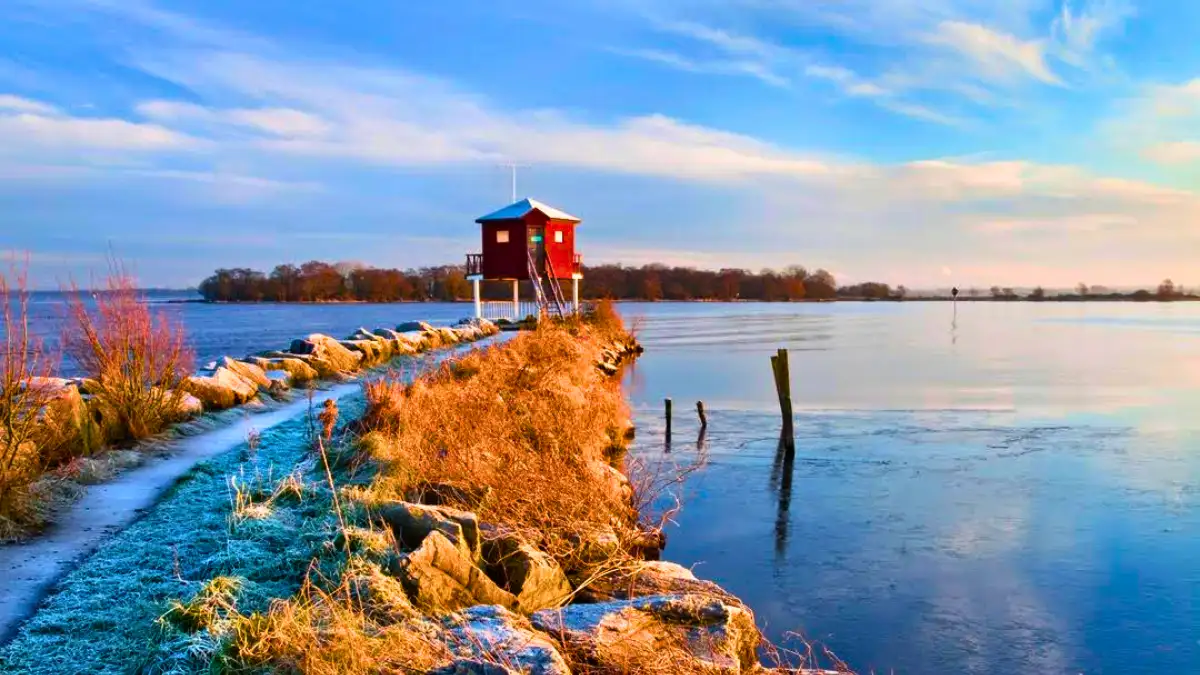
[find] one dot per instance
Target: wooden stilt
(783, 388)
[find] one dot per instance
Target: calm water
(1013, 491)
(237, 330)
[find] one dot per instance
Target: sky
(923, 142)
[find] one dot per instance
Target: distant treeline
(317, 281)
(1167, 291)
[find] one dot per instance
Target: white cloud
(1080, 223)
(8, 102)
(283, 122)
(1174, 152)
(83, 133)
(997, 55)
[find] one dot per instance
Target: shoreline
(463, 622)
(1048, 299)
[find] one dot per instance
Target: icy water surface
(1014, 490)
(1011, 490)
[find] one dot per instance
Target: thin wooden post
(783, 388)
(701, 414)
(667, 403)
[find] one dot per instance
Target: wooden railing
(503, 309)
(474, 264)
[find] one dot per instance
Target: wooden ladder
(539, 292)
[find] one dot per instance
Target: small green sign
(536, 238)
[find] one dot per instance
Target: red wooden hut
(528, 241)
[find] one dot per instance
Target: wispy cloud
(1077, 34)
(36, 124)
(996, 55)
(711, 67)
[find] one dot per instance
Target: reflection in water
(1025, 501)
(781, 481)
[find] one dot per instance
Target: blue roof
(518, 210)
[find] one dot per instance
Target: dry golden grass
(332, 633)
(530, 424)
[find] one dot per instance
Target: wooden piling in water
(701, 414)
(783, 389)
(667, 404)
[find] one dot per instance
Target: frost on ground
(103, 618)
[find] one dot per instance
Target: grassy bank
(138, 385)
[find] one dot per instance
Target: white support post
(517, 300)
(575, 295)
(478, 300)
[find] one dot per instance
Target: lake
(1005, 488)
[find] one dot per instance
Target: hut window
(501, 236)
(558, 237)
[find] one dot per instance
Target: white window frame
(559, 237)
(501, 236)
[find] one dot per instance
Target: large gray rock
(410, 326)
(329, 356)
(247, 371)
(485, 637)
(373, 349)
(439, 577)
(411, 523)
(646, 578)
(629, 635)
(532, 575)
(298, 370)
(220, 389)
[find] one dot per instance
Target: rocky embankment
(230, 382)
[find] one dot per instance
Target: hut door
(537, 247)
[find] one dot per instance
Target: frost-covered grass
(104, 616)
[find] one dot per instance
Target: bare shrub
(22, 402)
(137, 357)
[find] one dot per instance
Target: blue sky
(926, 142)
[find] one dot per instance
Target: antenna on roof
(513, 167)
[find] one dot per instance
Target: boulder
(297, 369)
(487, 636)
(411, 523)
(247, 371)
(381, 597)
(411, 326)
(629, 635)
(439, 577)
(221, 389)
(328, 355)
(373, 350)
(188, 406)
(596, 544)
(615, 482)
(531, 575)
(648, 578)
(280, 381)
